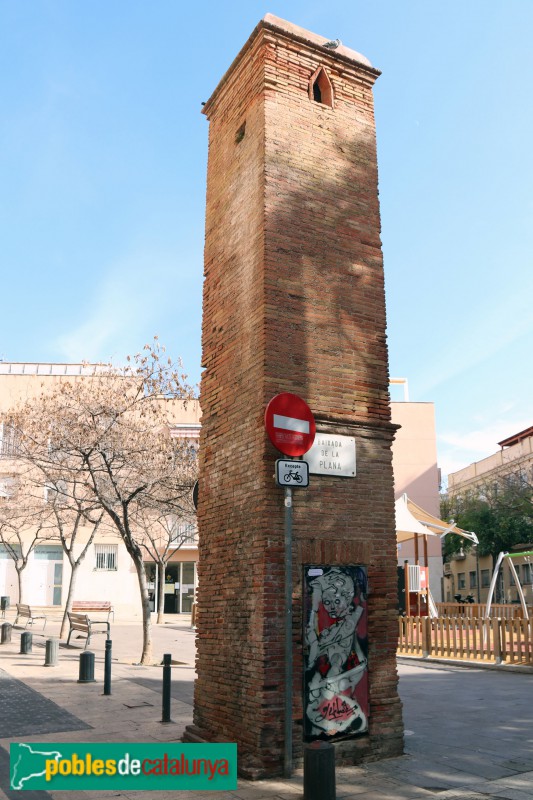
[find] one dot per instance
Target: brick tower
(294, 302)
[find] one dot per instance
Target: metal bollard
(86, 667)
(51, 653)
(26, 641)
(319, 771)
(107, 667)
(7, 627)
(167, 658)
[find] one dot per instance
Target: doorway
(172, 587)
(46, 576)
(187, 584)
(180, 583)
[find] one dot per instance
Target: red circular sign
(290, 424)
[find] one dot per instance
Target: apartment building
(416, 473)
(515, 455)
(466, 573)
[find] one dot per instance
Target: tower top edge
(276, 23)
(281, 26)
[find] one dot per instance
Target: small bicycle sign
(292, 476)
(292, 473)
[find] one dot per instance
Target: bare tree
(65, 509)
(24, 523)
(109, 435)
(73, 515)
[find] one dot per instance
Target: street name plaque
(332, 454)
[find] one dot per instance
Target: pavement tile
(407, 793)
(349, 790)
(523, 782)
(433, 777)
(506, 793)
(454, 794)
(519, 764)
(25, 711)
(254, 791)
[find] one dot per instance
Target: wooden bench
(25, 611)
(82, 623)
(94, 605)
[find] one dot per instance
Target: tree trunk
(70, 597)
(146, 657)
(19, 579)
(161, 594)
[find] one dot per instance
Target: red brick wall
(293, 301)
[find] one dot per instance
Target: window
(105, 557)
(320, 88)
(461, 582)
(7, 488)
(12, 551)
(48, 552)
(485, 578)
(8, 439)
(526, 573)
(56, 493)
(473, 579)
(184, 534)
(58, 584)
(187, 572)
(239, 136)
(512, 581)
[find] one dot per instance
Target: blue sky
(102, 186)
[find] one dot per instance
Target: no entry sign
(290, 424)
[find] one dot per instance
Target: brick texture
(293, 301)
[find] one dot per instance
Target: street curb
(452, 662)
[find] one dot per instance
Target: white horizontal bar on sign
(291, 424)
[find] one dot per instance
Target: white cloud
(124, 309)
(457, 450)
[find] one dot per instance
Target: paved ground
(469, 731)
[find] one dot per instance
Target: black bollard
(25, 642)
(86, 667)
(51, 654)
(319, 771)
(6, 632)
(167, 658)
(4, 604)
(107, 667)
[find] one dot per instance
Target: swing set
(502, 556)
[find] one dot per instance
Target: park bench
(82, 623)
(30, 616)
(94, 605)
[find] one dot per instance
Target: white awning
(411, 519)
(406, 523)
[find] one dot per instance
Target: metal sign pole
(288, 632)
(291, 428)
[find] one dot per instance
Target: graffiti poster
(336, 651)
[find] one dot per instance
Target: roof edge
(295, 32)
